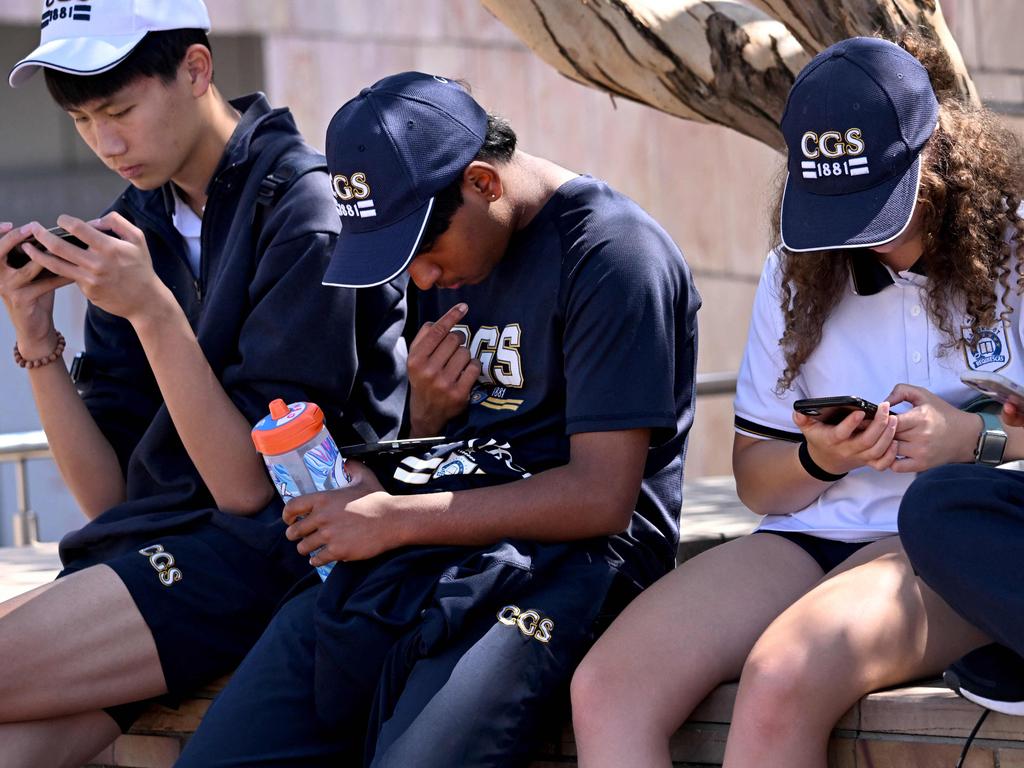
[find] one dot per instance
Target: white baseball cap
(85, 38)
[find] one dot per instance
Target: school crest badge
(987, 350)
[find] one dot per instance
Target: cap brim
(366, 259)
(863, 219)
(76, 56)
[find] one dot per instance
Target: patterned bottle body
(300, 454)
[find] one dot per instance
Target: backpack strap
(272, 187)
(276, 183)
(283, 176)
(361, 426)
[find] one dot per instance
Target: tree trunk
(716, 61)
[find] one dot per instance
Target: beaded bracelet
(54, 356)
(811, 467)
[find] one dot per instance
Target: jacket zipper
(218, 182)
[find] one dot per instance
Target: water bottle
(300, 454)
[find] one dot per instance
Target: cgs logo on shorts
(530, 623)
(163, 564)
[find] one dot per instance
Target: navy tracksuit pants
(962, 526)
(428, 657)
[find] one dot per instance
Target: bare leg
(678, 640)
(63, 742)
(75, 646)
(9, 605)
(869, 624)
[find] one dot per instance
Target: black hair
(158, 54)
(499, 146)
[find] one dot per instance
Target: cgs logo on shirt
(497, 349)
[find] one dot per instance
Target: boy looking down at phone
(892, 275)
(204, 305)
(559, 364)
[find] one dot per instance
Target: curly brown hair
(972, 173)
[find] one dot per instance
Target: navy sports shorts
(962, 527)
(483, 696)
(828, 553)
(206, 597)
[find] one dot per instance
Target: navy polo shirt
(587, 324)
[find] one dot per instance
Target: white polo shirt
(190, 227)
(873, 340)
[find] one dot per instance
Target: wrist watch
(991, 441)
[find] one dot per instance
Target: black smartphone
(832, 410)
(17, 258)
(391, 446)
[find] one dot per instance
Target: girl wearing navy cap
(897, 272)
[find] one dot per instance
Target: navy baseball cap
(389, 151)
(856, 120)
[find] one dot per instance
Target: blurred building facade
(708, 186)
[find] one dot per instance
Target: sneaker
(991, 676)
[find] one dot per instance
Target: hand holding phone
(838, 442)
(832, 410)
(18, 258)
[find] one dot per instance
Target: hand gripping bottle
(300, 454)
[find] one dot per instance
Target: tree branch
(819, 24)
(717, 61)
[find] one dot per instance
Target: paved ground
(22, 568)
(711, 513)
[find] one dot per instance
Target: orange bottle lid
(287, 427)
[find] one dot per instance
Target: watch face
(991, 446)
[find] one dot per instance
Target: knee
(595, 691)
(602, 692)
(776, 690)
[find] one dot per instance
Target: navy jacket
(267, 326)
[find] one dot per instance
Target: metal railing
(718, 383)
(20, 447)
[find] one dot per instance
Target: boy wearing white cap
(214, 250)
